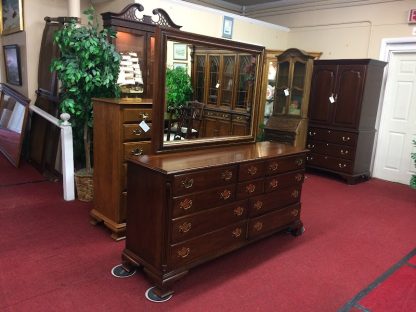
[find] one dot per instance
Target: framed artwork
(180, 51)
(11, 16)
(12, 64)
(227, 27)
(183, 65)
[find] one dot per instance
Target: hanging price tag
(144, 126)
(217, 85)
(331, 99)
(286, 91)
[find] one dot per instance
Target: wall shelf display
(342, 114)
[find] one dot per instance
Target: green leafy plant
(88, 67)
(179, 89)
(413, 178)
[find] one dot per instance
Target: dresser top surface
(206, 158)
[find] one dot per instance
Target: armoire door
(322, 91)
(348, 96)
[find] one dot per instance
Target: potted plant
(88, 67)
(179, 89)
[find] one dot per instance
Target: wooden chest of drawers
(186, 208)
(117, 136)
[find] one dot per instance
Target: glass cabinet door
(200, 78)
(227, 83)
(244, 82)
(297, 88)
(214, 81)
(282, 91)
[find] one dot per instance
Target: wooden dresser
(117, 135)
(189, 207)
(342, 116)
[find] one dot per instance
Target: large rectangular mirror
(220, 81)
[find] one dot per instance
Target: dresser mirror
(13, 116)
(225, 77)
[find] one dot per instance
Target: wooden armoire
(343, 108)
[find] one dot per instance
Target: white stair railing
(67, 149)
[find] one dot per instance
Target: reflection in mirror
(223, 76)
(13, 116)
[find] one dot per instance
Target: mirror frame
(162, 36)
(13, 153)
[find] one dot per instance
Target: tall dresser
(186, 208)
(122, 128)
(342, 115)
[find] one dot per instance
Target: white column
(67, 158)
(74, 8)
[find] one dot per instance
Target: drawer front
(331, 163)
(335, 150)
(278, 165)
(135, 132)
(249, 188)
(194, 202)
(333, 136)
(136, 115)
(201, 180)
(136, 149)
(208, 221)
(214, 243)
(273, 221)
(275, 200)
(252, 170)
(280, 181)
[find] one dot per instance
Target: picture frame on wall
(182, 65)
(12, 64)
(11, 16)
(227, 27)
(180, 51)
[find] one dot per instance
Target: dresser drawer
(201, 180)
(278, 165)
(136, 149)
(213, 243)
(135, 132)
(280, 181)
(194, 202)
(330, 149)
(249, 188)
(208, 220)
(251, 170)
(136, 115)
(274, 200)
(333, 136)
(331, 163)
(273, 221)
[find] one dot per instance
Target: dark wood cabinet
(342, 115)
(186, 208)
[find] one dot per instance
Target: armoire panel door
(348, 96)
(323, 86)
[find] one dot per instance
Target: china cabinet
(288, 122)
(343, 109)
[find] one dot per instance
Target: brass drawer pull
(137, 132)
(344, 152)
(252, 170)
(345, 139)
(250, 188)
(188, 183)
(258, 226)
(136, 152)
(184, 252)
(227, 175)
(342, 165)
(238, 211)
(225, 194)
(299, 161)
(299, 177)
(185, 227)
(274, 183)
(309, 158)
(186, 204)
(237, 232)
(258, 205)
(143, 116)
(295, 194)
(294, 212)
(311, 145)
(312, 133)
(274, 166)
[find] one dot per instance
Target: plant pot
(84, 185)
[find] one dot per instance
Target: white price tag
(286, 91)
(331, 99)
(217, 85)
(144, 126)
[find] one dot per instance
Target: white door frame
(389, 46)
